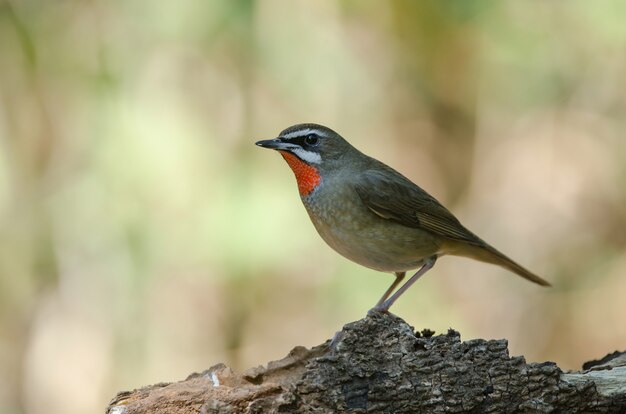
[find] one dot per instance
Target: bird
(373, 215)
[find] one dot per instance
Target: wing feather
(392, 196)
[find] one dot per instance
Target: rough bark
(381, 365)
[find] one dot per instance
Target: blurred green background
(143, 236)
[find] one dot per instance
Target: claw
(336, 338)
(378, 309)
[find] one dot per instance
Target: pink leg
(399, 277)
(384, 307)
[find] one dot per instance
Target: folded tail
(486, 253)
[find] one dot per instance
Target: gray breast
(358, 234)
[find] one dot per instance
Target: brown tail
(488, 254)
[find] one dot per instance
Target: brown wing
(392, 196)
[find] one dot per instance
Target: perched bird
(373, 215)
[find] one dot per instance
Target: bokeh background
(143, 236)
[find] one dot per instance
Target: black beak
(275, 143)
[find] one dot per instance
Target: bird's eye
(311, 139)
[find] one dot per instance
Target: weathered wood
(380, 365)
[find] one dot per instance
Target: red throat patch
(307, 176)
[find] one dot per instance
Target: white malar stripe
(307, 156)
(303, 132)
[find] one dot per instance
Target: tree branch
(380, 365)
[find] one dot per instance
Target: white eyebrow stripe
(303, 132)
(307, 156)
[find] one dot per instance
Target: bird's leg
(428, 264)
(399, 277)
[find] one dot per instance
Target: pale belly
(369, 240)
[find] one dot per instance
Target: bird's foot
(375, 310)
(335, 340)
(380, 308)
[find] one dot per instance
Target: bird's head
(311, 151)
